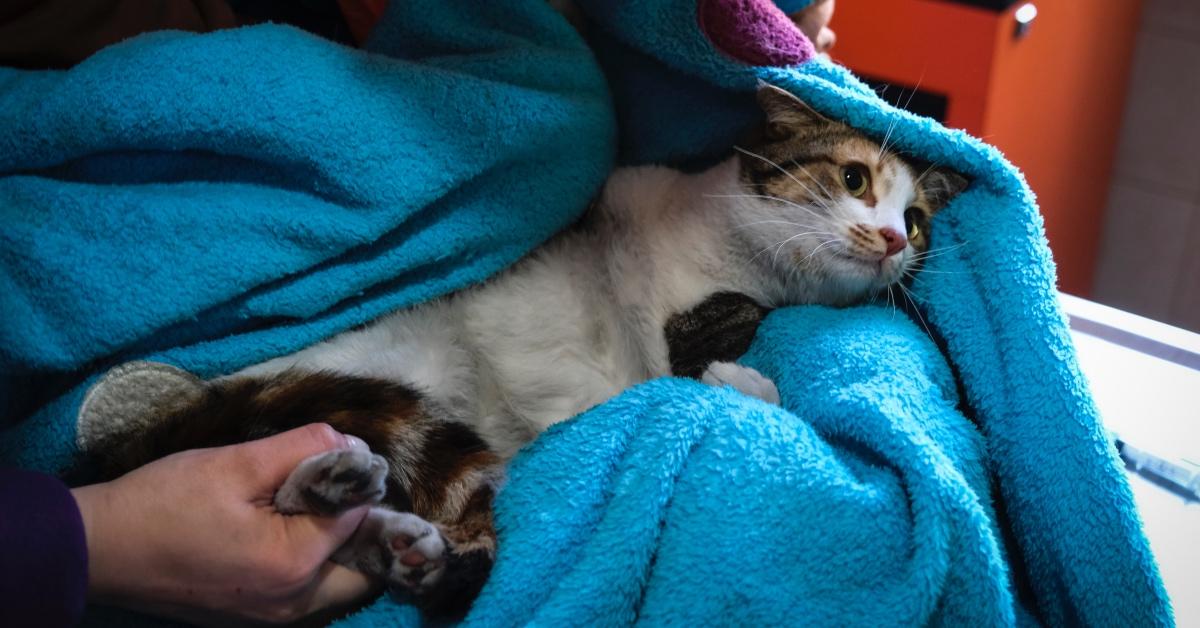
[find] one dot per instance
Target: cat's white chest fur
(571, 325)
(831, 219)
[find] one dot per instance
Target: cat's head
(833, 204)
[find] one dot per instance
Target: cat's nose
(894, 240)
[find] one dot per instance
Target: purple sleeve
(43, 551)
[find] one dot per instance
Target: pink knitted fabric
(754, 32)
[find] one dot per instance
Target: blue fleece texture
(214, 200)
(792, 6)
(211, 201)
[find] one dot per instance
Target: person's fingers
(825, 40)
(273, 458)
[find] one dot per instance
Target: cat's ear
(786, 114)
(942, 185)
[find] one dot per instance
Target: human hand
(195, 536)
(814, 20)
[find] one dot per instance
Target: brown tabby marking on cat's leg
(473, 549)
(704, 341)
(432, 538)
(719, 329)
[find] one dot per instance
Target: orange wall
(907, 41)
(1055, 108)
(1051, 101)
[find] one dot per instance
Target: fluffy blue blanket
(211, 201)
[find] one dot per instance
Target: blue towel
(305, 188)
(863, 501)
(220, 199)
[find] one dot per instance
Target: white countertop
(1153, 403)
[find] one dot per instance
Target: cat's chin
(872, 268)
(870, 271)
(859, 278)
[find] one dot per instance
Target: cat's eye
(910, 222)
(855, 179)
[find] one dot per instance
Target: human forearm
(43, 558)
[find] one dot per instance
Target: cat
(442, 394)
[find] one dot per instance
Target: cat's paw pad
(333, 482)
(743, 378)
(418, 552)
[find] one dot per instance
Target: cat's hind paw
(333, 482)
(745, 379)
(418, 553)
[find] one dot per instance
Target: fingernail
(354, 442)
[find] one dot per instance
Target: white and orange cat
(445, 392)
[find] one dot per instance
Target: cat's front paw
(418, 552)
(743, 378)
(333, 482)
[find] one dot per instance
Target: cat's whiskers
(787, 281)
(818, 248)
(779, 245)
(785, 172)
(886, 137)
(768, 197)
(932, 253)
(875, 295)
(775, 258)
(918, 180)
(778, 222)
(909, 274)
(948, 247)
(808, 174)
(914, 91)
(896, 118)
(942, 272)
(820, 202)
(915, 308)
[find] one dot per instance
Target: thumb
(275, 457)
